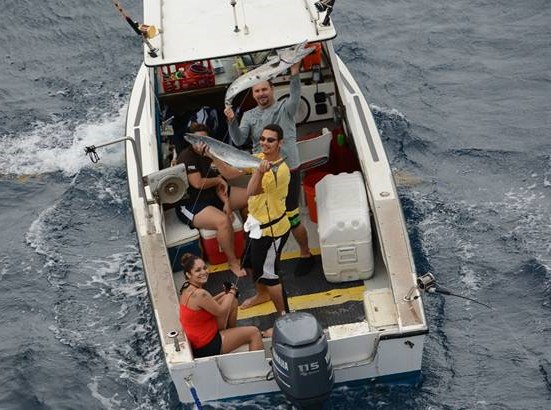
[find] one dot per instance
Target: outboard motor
(301, 363)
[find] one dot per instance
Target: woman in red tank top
(209, 321)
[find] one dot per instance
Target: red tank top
(200, 326)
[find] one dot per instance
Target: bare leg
(238, 336)
(213, 218)
(238, 197)
(276, 294)
(262, 295)
(301, 236)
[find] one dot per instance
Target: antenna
(236, 28)
(245, 27)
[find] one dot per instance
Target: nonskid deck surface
(330, 303)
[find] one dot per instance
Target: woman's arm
(217, 308)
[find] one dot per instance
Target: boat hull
(387, 345)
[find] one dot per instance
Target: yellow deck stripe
(314, 300)
(284, 256)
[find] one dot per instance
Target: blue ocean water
(461, 93)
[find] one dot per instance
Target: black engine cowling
(301, 363)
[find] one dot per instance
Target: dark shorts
(263, 257)
(187, 211)
(213, 348)
(292, 200)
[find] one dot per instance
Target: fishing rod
(427, 282)
(143, 30)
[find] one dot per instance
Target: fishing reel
(425, 282)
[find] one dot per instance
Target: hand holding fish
(286, 58)
(264, 166)
(230, 114)
(201, 148)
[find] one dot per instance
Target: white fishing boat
(363, 291)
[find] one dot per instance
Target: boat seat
(176, 232)
(313, 152)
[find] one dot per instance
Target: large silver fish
(285, 58)
(227, 153)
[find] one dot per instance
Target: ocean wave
(59, 146)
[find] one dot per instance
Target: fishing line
(428, 284)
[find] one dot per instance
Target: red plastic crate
(211, 249)
(186, 76)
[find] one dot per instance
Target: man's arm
(255, 183)
(291, 103)
(238, 133)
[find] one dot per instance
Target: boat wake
(59, 147)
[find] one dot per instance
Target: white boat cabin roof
(199, 29)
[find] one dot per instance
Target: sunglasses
(267, 139)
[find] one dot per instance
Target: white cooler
(344, 228)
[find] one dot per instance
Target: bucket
(309, 185)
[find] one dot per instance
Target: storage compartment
(213, 252)
(175, 253)
(308, 185)
(179, 239)
(344, 227)
(186, 76)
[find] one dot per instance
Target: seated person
(210, 202)
(209, 322)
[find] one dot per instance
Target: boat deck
(331, 303)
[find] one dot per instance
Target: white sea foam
(389, 112)
(36, 239)
(106, 402)
(60, 146)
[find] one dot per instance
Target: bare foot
(267, 332)
(236, 268)
(255, 300)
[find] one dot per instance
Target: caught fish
(285, 58)
(227, 153)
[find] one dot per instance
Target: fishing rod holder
(325, 6)
(174, 336)
(425, 282)
(94, 157)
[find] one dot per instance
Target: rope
(193, 392)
